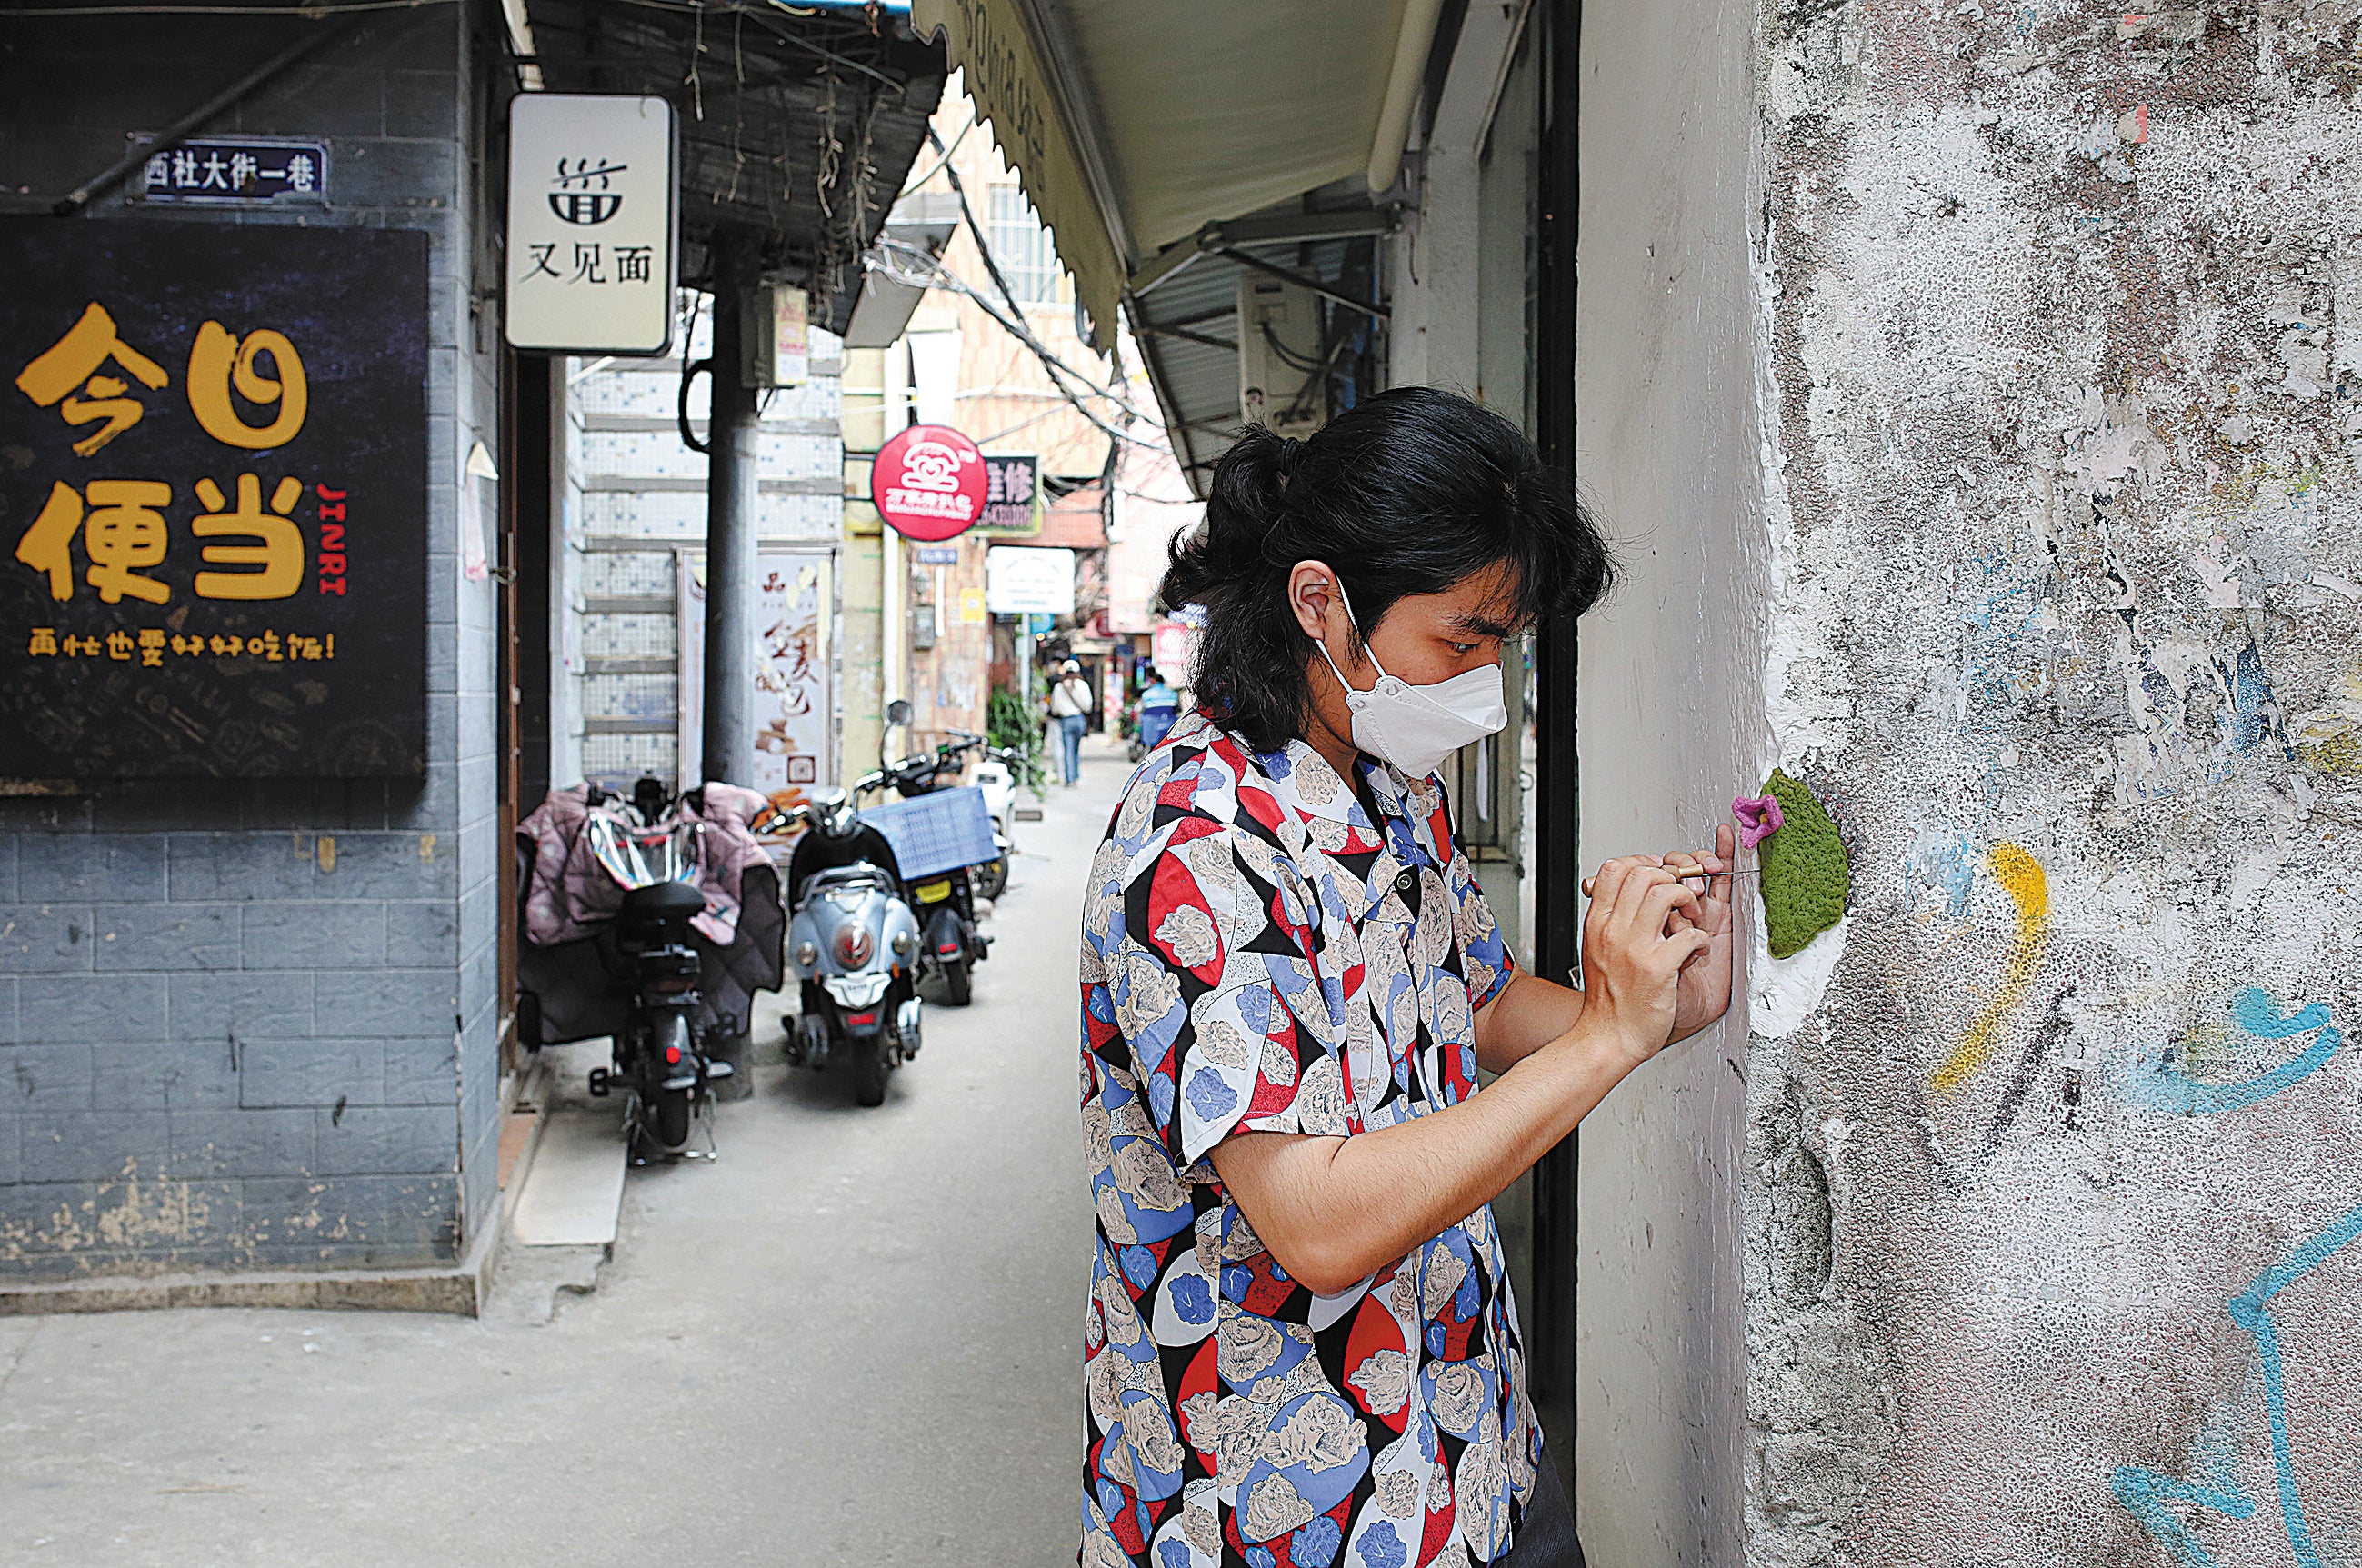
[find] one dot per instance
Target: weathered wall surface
(251, 1024)
(1671, 714)
(2051, 1193)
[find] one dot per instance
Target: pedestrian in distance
(1300, 1346)
(1070, 710)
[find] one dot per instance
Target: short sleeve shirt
(1262, 952)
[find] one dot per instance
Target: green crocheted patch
(1805, 880)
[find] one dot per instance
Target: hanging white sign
(593, 223)
(1023, 579)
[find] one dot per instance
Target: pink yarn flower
(1758, 818)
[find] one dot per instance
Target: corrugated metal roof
(800, 127)
(1186, 327)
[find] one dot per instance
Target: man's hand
(1641, 930)
(1704, 991)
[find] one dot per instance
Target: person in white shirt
(1070, 707)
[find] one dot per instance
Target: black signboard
(212, 491)
(1011, 494)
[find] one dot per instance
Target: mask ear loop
(1367, 652)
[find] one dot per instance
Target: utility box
(778, 336)
(1281, 382)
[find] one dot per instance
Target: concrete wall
(252, 1024)
(2052, 1188)
(1667, 449)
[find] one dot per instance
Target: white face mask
(1415, 727)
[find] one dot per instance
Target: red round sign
(928, 483)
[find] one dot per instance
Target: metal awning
(1185, 317)
(1170, 147)
(796, 126)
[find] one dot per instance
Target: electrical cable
(1024, 334)
(1271, 340)
(1318, 379)
(937, 277)
(895, 259)
(1020, 425)
(913, 184)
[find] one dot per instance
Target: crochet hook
(1686, 875)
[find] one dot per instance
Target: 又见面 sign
(928, 483)
(594, 198)
(214, 503)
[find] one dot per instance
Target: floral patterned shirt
(1259, 954)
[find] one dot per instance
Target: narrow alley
(843, 1343)
(1736, 954)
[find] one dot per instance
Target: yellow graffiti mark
(2021, 877)
(2333, 749)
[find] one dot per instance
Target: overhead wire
(913, 183)
(910, 266)
(1013, 320)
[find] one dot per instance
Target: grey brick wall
(252, 1026)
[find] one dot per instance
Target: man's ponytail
(1223, 554)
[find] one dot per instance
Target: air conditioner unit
(1281, 382)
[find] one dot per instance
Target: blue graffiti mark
(2143, 1492)
(1947, 864)
(2152, 1085)
(2254, 712)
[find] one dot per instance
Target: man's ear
(1311, 590)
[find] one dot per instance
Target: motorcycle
(943, 892)
(651, 846)
(855, 938)
(995, 774)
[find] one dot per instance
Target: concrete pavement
(852, 1339)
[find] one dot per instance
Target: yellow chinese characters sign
(214, 496)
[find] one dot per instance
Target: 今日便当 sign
(214, 506)
(594, 198)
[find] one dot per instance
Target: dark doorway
(1557, 799)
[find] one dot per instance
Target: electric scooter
(943, 894)
(855, 938)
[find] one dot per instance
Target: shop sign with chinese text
(928, 483)
(249, 171)
(1012, 495)
(1029, 579)
(215, 497)
(593, 222)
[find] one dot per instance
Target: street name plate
(247, 170)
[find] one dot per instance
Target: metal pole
(733, 588)
(170, 136)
